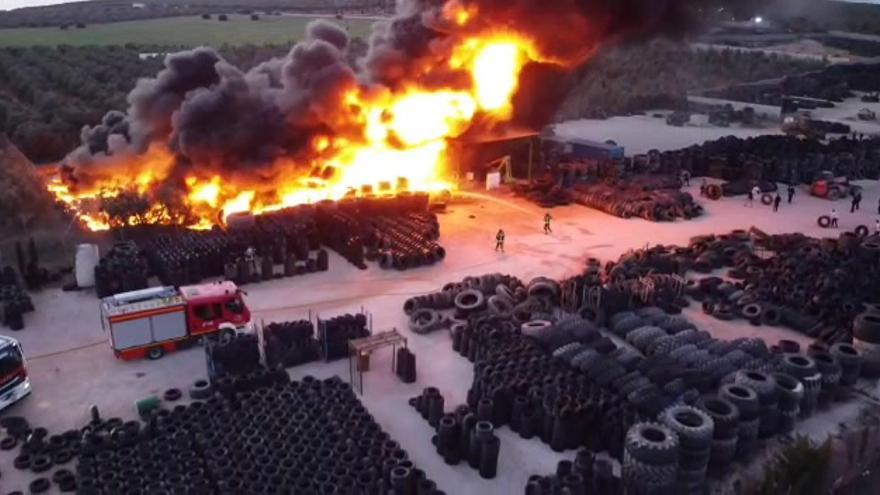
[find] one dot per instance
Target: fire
(389, 140)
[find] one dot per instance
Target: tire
(713, 192)
(172, 395)
(752, 312)
(642, 473)
(154, 353)
(200, 389)
(8, 443)
(798, 366)
(652, 443)
(694, 427)
(767, 199)
(469, 301)
(824, 221)
(862, 231)
(846, 355)
(744, 398)
(866, 327)
(724, 413)
(424, 320)
(500, 306)
(762, 383)
(39, 485)
(535, 327)
(789, 390)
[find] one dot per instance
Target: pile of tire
(123, 269)
(290, 343)
(630, 198)
(14, 300)
(335, 333)
(866, 340)
(725, 436)
(774, 159)
(461, 435)
(39, 451)
(311, 436)
(232, 354)
(650, 459)
(586, 474)
(403, 242)
(498, 293)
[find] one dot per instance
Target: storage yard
(71, 363)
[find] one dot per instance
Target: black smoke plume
(208, 113)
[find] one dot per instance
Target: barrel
(87, 257)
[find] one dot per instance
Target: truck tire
(154, 353)
(652, 443)
(824, 221)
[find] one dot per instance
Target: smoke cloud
(209, 114)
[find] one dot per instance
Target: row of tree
(660, 75)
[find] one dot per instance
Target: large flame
(400, 143)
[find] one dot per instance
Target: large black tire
(424, 320)
(469, 301)
(724, 413)
(866, 327)
(694, 427)
(862, 231)
(200, 389)
(762, 383)
(744, 398)
(824, 221)
(798, 366)
(713, 192)
(652, 443)
(767, 199)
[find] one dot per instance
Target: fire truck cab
(150, 322)
(14, 381)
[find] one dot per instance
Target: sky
(15, 4)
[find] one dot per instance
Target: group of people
(499, 237)
(777, 199)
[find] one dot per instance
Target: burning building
(203, 139)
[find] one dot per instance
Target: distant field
(189, 31)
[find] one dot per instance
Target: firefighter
(703, 185)
(833, 218)
(250, 256)
(776, 201)
(750, 199)
(686, 178)
(547, 218)
(854, 203)
(499, 241)
(877, 227)
(790, 193)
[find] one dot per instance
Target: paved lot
(71, 364)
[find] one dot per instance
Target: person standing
(499, 241)
(776, 201)
(877, 227)
(790, 193)
(686, 178)
(547, 218)
(833, 218)
(856, 200)
(703, 185)
(750, 198)
(250, 256)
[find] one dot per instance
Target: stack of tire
(14, 302)
(335, 333)
(805, 370)
(232, 355)
(460, 436)
(791, 393)
(725, 416)
(651, 460)
(406, 365)
(124, 269)
(830, 370)
(749, 422)
(765, 386)
(290, 343)
(866, 340)
(694, 429)
(851, 363)
(587, 474)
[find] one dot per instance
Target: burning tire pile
(268, 435)
(673, 404)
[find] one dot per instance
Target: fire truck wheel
(200, 389)
(227, 333)
(155, 353)
(172, 394)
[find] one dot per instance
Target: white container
(493, 180)
(87, 256)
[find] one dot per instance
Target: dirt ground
(71, 365)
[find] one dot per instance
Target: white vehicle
(14, 381)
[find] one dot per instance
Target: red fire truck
(150, 322)
(14, 381)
